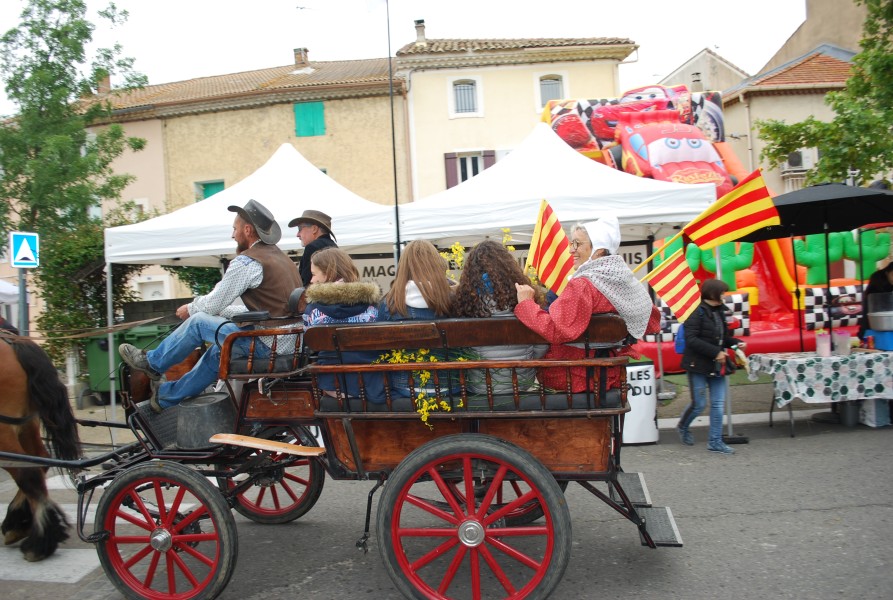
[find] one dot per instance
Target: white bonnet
(604, 233)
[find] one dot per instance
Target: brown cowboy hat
(316, 218)
(260, 216)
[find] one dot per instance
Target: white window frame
(478, 96)
(539, 104)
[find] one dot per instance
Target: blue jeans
(699, 384)
(174, 349)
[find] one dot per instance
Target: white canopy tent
(543, 166)
(200, 234)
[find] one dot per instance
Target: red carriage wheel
(435, 544)
(167, 533)
(285, 488)
(508, 492)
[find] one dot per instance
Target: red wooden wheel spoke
(447, 495)
(131, 539)
(498, 571)
(528, 531)
(175, 507)
(190, 518)
(208, 560)
(275, 496)
(160, 503)
(432, 532)
(475, 575)
(141, 506)
(514, 553)
(153, 568)
(187, 572)
(139, 555)
(451, 571)
(427, 506)
(294, 478)
(437, 552)
(494, 487)
(512, 506)
(147, 524)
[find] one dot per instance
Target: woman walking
(706, 338)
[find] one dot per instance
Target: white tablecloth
(812, 378)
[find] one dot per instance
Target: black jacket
(706, 334)
(325, 241)
(877, 284)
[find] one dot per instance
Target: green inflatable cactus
(812, 254)
(875, 247)
(731, 260)
(667, 250)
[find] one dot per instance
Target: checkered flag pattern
(815, 316)
(738, 303)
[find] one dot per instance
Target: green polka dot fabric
(812, 378)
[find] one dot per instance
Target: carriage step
(661, 526)
(634, 486)
(234, 439)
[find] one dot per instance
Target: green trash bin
(97, 350)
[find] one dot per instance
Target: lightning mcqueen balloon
(657, 145)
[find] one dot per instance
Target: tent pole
(797, 293)
(393, 135)
(113, 349)
(828, 286)
(729, 438)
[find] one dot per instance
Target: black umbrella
(822, 209)
(826, 207)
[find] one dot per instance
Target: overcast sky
(173, 40)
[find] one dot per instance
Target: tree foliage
(859, 140)
(56, 164)
(201, 280)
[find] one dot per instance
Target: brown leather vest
(280, 279)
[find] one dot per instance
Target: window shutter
(452, 169)
(310, 119)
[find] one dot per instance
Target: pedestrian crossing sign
(24, 250)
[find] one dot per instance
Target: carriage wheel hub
(471, 533)
(161, 540)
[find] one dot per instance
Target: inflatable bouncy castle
(777, 288)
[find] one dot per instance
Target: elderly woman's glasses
(576, 244)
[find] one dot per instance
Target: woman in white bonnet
(602, 283)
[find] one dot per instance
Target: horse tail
(50, 397)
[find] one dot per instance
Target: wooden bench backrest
(603, 330)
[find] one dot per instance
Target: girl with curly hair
(487, 289)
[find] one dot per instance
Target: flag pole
(658, 251)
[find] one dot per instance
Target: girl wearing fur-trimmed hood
(335, 296)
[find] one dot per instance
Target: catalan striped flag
(673, 281)
(549, 252)
(747, 207)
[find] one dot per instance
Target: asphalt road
(804, 517)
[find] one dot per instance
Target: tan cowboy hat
(259, 215)
(316, 218)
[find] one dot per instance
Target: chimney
(696, 85)
(104, 84)
(420, 32)
(301, 57)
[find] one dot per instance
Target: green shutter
(211, 188)
(310, 119)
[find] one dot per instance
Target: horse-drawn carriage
(472, 499)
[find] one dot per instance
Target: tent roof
(543, 166)
(201, 233)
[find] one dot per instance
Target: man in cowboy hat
(261, 274)
(315, 233)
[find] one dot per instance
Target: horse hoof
(32, 557)
(13, 536)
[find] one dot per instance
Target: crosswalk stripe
(65, 566)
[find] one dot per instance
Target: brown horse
(33, 394)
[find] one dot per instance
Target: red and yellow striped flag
(747, 207)
(549, 252)
(673, 281)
